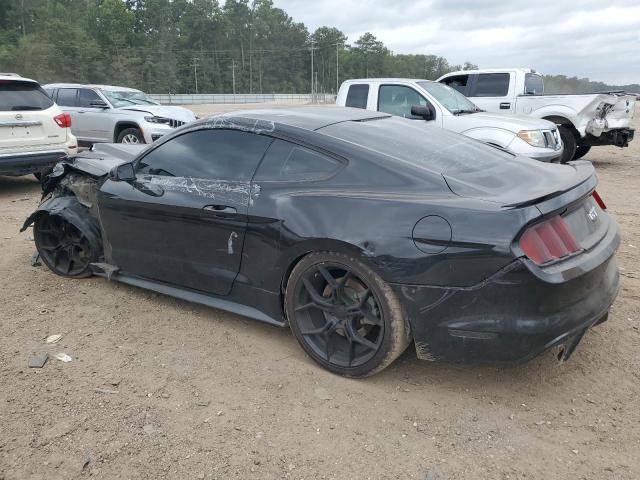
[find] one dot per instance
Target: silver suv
(104, 113)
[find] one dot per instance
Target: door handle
(224, 209)
(505, 106)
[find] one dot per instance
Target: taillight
(63, 120)
(599, 200)
(548, 241)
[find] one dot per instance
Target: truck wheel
(131, 135)
(581, 151)
(569, 143)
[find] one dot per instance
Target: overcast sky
(599, 39)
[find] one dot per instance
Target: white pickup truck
(584, 120)
(445, 107)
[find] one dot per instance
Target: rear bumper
(25, 163)
(619, 137)
(511, 317)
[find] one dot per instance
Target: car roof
(93, 86)
(389, 79)
(490, 70)
(308, 118)
(15, 77)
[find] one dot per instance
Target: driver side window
(397, 100)
(228, 155)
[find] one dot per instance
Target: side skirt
(108, 272)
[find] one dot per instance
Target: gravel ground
(160, 388)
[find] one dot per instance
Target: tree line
(180, 46)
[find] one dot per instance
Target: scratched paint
(238, 193)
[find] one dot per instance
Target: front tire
(344, 315)
(63, 247)
(581, 151)
(569, 142)
(131, 136)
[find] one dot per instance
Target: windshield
(450, 99)
(126, 98)
(533, 84)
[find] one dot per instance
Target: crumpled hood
(104, 156)
(512, 123)
(176, 113)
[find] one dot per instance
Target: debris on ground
(36, 261)
(38, 361)
(105, 390)
(54, 338)
(63, 357)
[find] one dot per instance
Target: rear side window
(458, 82)
(67, 97)
(357, 96)
(229, 155)
(491, 85)
(21, 96)
(287, 162)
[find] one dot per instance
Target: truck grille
(175, 123)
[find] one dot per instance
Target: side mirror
(422, 111)
(98, 104)
(123, 173)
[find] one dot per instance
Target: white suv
(34, 132)
(106, 113)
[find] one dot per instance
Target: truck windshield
(449, 98)
(126, 98)
(533, 84)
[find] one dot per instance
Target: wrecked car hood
(176, 113)
(104, 156)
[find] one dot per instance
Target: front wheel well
(562, 121)
(121, 126)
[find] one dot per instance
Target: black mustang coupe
(361, 232)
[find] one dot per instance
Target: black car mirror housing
(98, 104)
(123, 173)
(422, 111)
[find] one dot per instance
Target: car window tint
(491, 85)
(357, 96)
(459, 82)
(86, 97)
(286, 161)
(20, 96)
(398, 100)
(67, 97)
(211, 154)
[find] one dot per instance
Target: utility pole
(195, 71)
(233, 74)
(312, 48)
(316, 84)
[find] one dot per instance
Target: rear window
(491, 85)
(357, 96)
(533, 84)
(427, 148)
(21, 96)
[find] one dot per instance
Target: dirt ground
(160, 388)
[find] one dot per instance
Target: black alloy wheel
(340, 312)
(62, 246)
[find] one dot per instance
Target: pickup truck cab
(583, 120)
(445, 107)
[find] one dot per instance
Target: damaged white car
(584, 120)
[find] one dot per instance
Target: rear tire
(344, 315)
(569, 143)
(581, 151)
(131, 136)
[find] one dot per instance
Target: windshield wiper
(466, 111)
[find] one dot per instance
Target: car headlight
(535, 138)
(163, 120)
